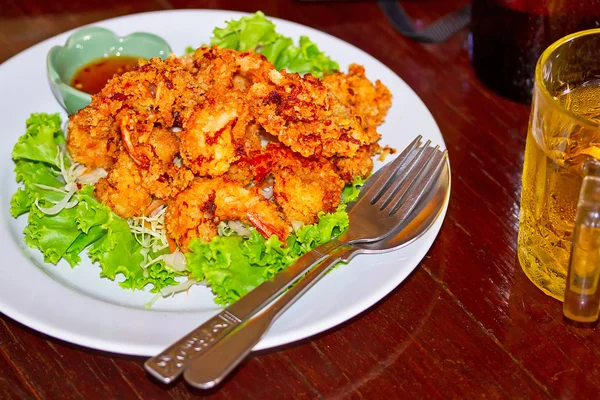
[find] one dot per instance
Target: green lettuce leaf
(233, 266)
(258, 33)
(32, 174)
(60, 236)
(245, 33)
(307, 59)
(280, 52)
(351, 192)
(72, 255)
(51, 234)
(41, 139)
(90, 212)
(36, 159)
(118, 252)
(89, 224)
(225, 267)
(20, 203)
(90, 219)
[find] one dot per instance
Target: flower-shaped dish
(88, 45)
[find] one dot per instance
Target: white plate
(78, 306)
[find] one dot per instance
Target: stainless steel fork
(383, 205)
(212, 366)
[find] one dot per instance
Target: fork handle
(215, 363)
(172, 361)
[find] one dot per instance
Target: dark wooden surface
(466, 324)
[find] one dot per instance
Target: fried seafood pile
(224, 136)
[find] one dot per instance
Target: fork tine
(406, 166)
(391, 169)
(403, 183)
(406, 203)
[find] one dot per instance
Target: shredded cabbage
(182, 287)
(63, 216)
(267, 192)
(91, 178)
(69, 176)
(150, 233)
(59, 205)
(176, 261)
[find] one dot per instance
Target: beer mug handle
(582, 292)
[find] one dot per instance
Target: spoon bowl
(217, 361)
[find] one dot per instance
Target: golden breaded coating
(216, 134)
(360, 165)
(230, 69)
(162, 92)
(161, 177)
(165, 144)
(165, 181)
(369, 102)
(192, 215)
(122, 189)
(240, 172)
(248, 146)
(207, 146)
(197, 211)
(302, 186)
(303, 190)
(247, 135)
(93, 139)
(192, 133)
(305, 117)
(237, 203)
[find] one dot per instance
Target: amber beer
(564, 132)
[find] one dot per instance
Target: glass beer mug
(559, 227)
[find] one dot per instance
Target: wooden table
(466, 324)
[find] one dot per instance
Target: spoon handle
(172, 361)
(215, 363)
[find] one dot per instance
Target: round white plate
(78, 306)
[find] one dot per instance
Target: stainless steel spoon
(385, 202)
(215, 363)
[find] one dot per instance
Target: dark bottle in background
(508, 36)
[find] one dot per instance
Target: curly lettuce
(257, 33)
(230, 265)
(84, 224)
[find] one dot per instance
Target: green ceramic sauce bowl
(90, 44)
